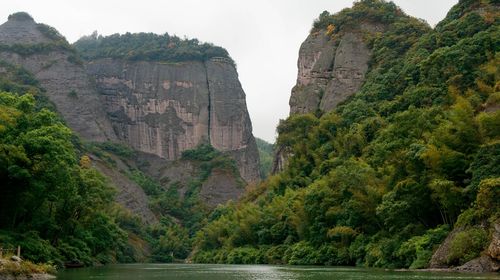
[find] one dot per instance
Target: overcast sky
(262, 36)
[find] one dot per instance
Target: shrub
(275, 254)
(417, 251)
(20, 16)
(302, 253)
(467, 245)
(246, 255)
(148, 46)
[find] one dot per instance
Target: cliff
(166, 108)
(416, 110)
(332, 67)
(158, 108)
(25, 43)
(43, 52)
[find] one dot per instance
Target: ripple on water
(253, 272)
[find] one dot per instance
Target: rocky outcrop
(489, 261)
(440, 257)
(129, 194)
(494, 247)
(280, 160)
(67, 84)
(22, 29)
(481, 264)
(220, 186)
(157, 108)
(166, 108)
(331, 68)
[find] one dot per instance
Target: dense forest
(147, 46)
(53, 203)
(266, 151)
(381, 180)
(59, 208)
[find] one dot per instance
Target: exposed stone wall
(21, 31)
(67, 84)
(160, 109)
(156, 108)
(72, 92)
(166, 108)
(331, 68)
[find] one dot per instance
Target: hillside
(168, 140)
(391, 148)
(53, 203)
(266, 151)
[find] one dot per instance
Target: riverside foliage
(52, 202)
(382, 179)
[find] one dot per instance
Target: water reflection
(251, 272)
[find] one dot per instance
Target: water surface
(251, 272)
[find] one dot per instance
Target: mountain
(163, 101)
(168, 126)
(390, 155)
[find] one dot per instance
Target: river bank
(14, 268)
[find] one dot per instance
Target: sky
(262, 36)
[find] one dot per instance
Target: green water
(250, 272)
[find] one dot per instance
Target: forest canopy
(147, 46)
(381, 180)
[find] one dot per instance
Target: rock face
(281, 156)
(220, 186)
(481, 264)
(494, 247)
(21, 30)
(66, 83)
(489, 261)
(440, 257)
(331, 69)
(157, 108)
(69, 88)
(164, 109)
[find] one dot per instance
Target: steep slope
(332, 67)
(168, 127)
(53, 203)
(164, 109)
(403, 171)
(41, 50)
(154, 106)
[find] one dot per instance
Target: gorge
(138, 147)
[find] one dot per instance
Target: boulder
(494, 247)
(481, 264)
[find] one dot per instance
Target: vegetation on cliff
(56, 42)
(266, 153)
(147, 46)
(63, 209)
(382, 179)
(179, 207)
(53, 203)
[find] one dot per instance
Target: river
(251, 272)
